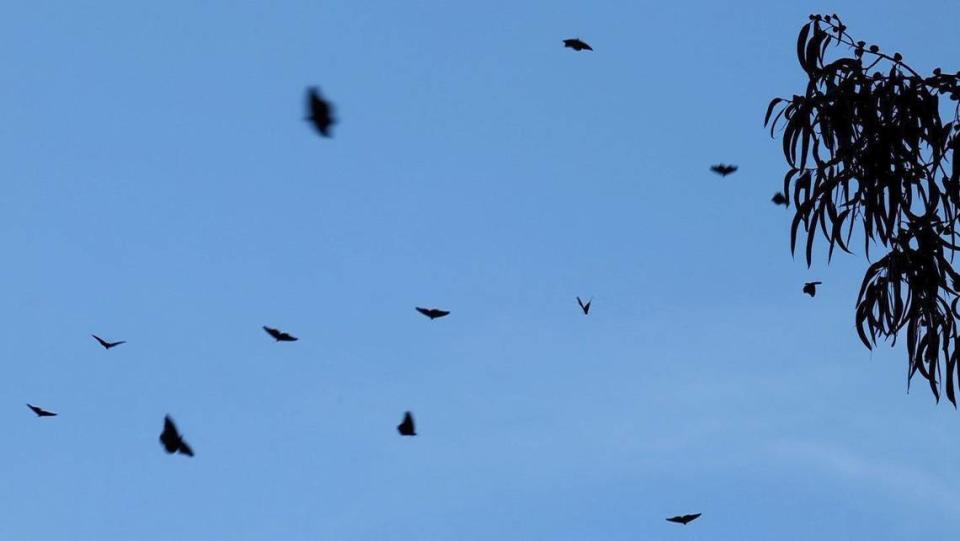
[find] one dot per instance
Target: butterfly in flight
(406, 428)
(577, 44)
(108, 345)
(172, 440)
(279, 335)
(584, 307)
(433, 313)
(723, 170)
(810, 288)
(320, 112)
(684, 519)
(41, 412)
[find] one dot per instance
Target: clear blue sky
(160, 186)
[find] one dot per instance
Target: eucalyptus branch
(864, 151)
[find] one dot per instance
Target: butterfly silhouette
(406, 428)
(577, 44)
(320, 112)
(723, 170)
(810, 288)
(684, 519)
(41, 412)
(172, 440)
(278, 335)
(433, 313)
(108, 345)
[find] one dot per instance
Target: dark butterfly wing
(576, 44)
(184, 449)
(41, 412)
(433, 313)
(722, 169)
(406, 427)
(684, 519)
(317, 106)
(170, 438)
(272, 332)
(280, 336)
(320, 111)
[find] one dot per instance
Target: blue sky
(161, 187)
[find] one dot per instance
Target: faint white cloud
(898, 479)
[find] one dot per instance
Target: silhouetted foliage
(868, 151)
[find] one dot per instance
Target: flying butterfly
(723, 169)
(577, 44)
(279, 335)
(108, 345)
(41, 412)
(172, 440)
(406, 427)
(684, 519)
(433, 313)
(810, 288)
(319, 112)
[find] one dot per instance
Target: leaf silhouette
(868, 154)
